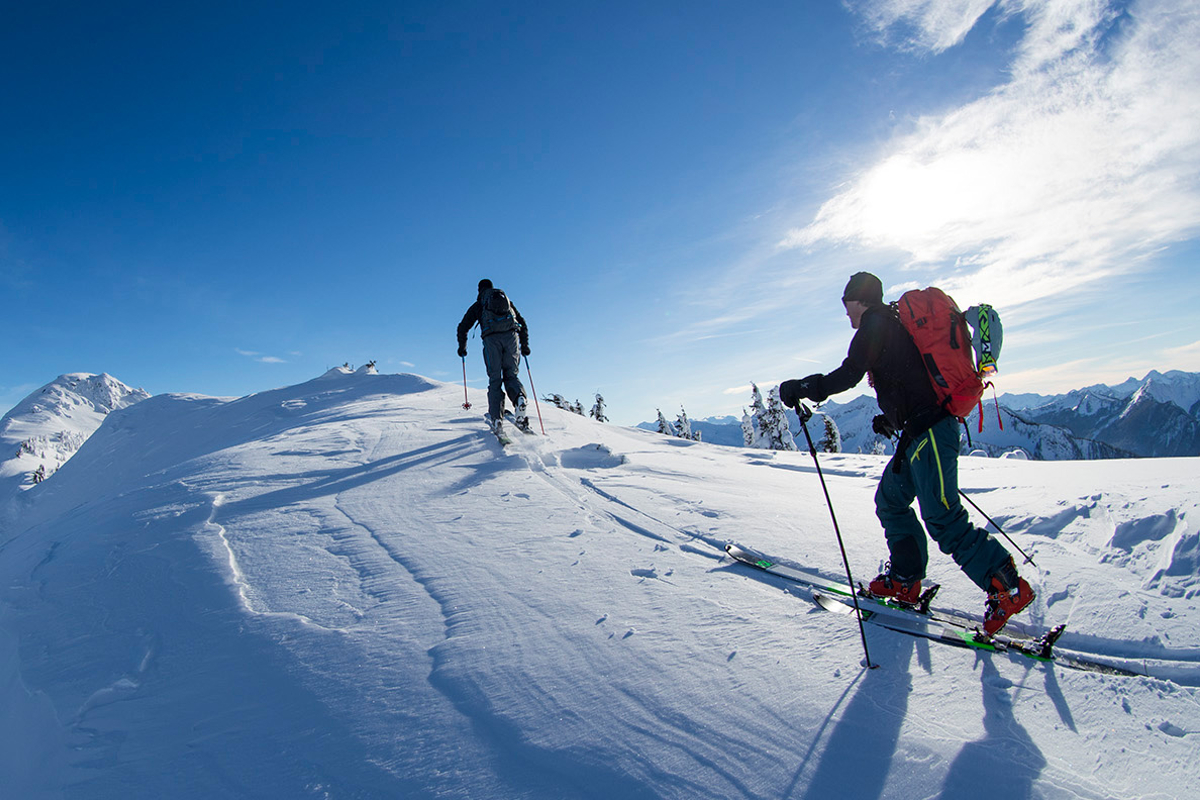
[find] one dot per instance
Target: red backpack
(940, 332)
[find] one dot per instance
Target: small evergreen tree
(777, 434)
(598, 409)
(683, 427)
(831, 442)
(748, 434)
(576, 407)
(759, 412)
(664, 427)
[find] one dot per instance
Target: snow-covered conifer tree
(831, 442)
(759, 413)
(683, 425)
(748, 434)
(664, 427)
(776, 433)
(598, 409)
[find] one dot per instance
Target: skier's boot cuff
(1009, 595)
(887, 586)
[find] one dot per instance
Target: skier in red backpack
(925, 466)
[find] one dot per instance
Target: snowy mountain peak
(101, 394)
(45, 429)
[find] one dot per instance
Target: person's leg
(511, 367)
(493, 359)
(907, 546)
(933, 459)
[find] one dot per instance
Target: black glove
(462, 351)
(793, 391)
(524, 349)
(883, 426)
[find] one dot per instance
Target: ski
(1038, 650)
(942, 625)
(925, 609)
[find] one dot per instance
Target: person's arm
(468, 321)
(522, 330)
(864, 351)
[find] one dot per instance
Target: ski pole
(533, 389)
(1028, 558)
(466, 402)
(805, 414)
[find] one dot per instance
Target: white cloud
(259, 357)
(1084, 163)
(1186, 357)
(933, 25)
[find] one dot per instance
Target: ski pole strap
(996, 400)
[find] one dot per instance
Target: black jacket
(883, 349)
(472, 317)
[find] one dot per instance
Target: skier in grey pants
(505, 340)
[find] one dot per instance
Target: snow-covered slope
(346, 588)
(45, 429)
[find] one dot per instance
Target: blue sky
(231, 198)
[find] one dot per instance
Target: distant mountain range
(1156, 416)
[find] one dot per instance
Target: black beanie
(865, 288)
(485, 284)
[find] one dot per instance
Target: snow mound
(591, 456)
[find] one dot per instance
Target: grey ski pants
(502, 357)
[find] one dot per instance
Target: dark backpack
(496, 312)
(941, 334)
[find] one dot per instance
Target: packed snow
(347, 588)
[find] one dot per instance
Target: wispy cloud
(1085, 162)
(259, 357)
(1186, 357)
(922, 25)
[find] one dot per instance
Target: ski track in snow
(410, 610)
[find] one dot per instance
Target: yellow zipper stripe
(941, 477)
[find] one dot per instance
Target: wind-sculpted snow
(347, 588)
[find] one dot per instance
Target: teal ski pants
(929, 474)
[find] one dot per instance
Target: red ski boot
(905, 592)
(1009, 595)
